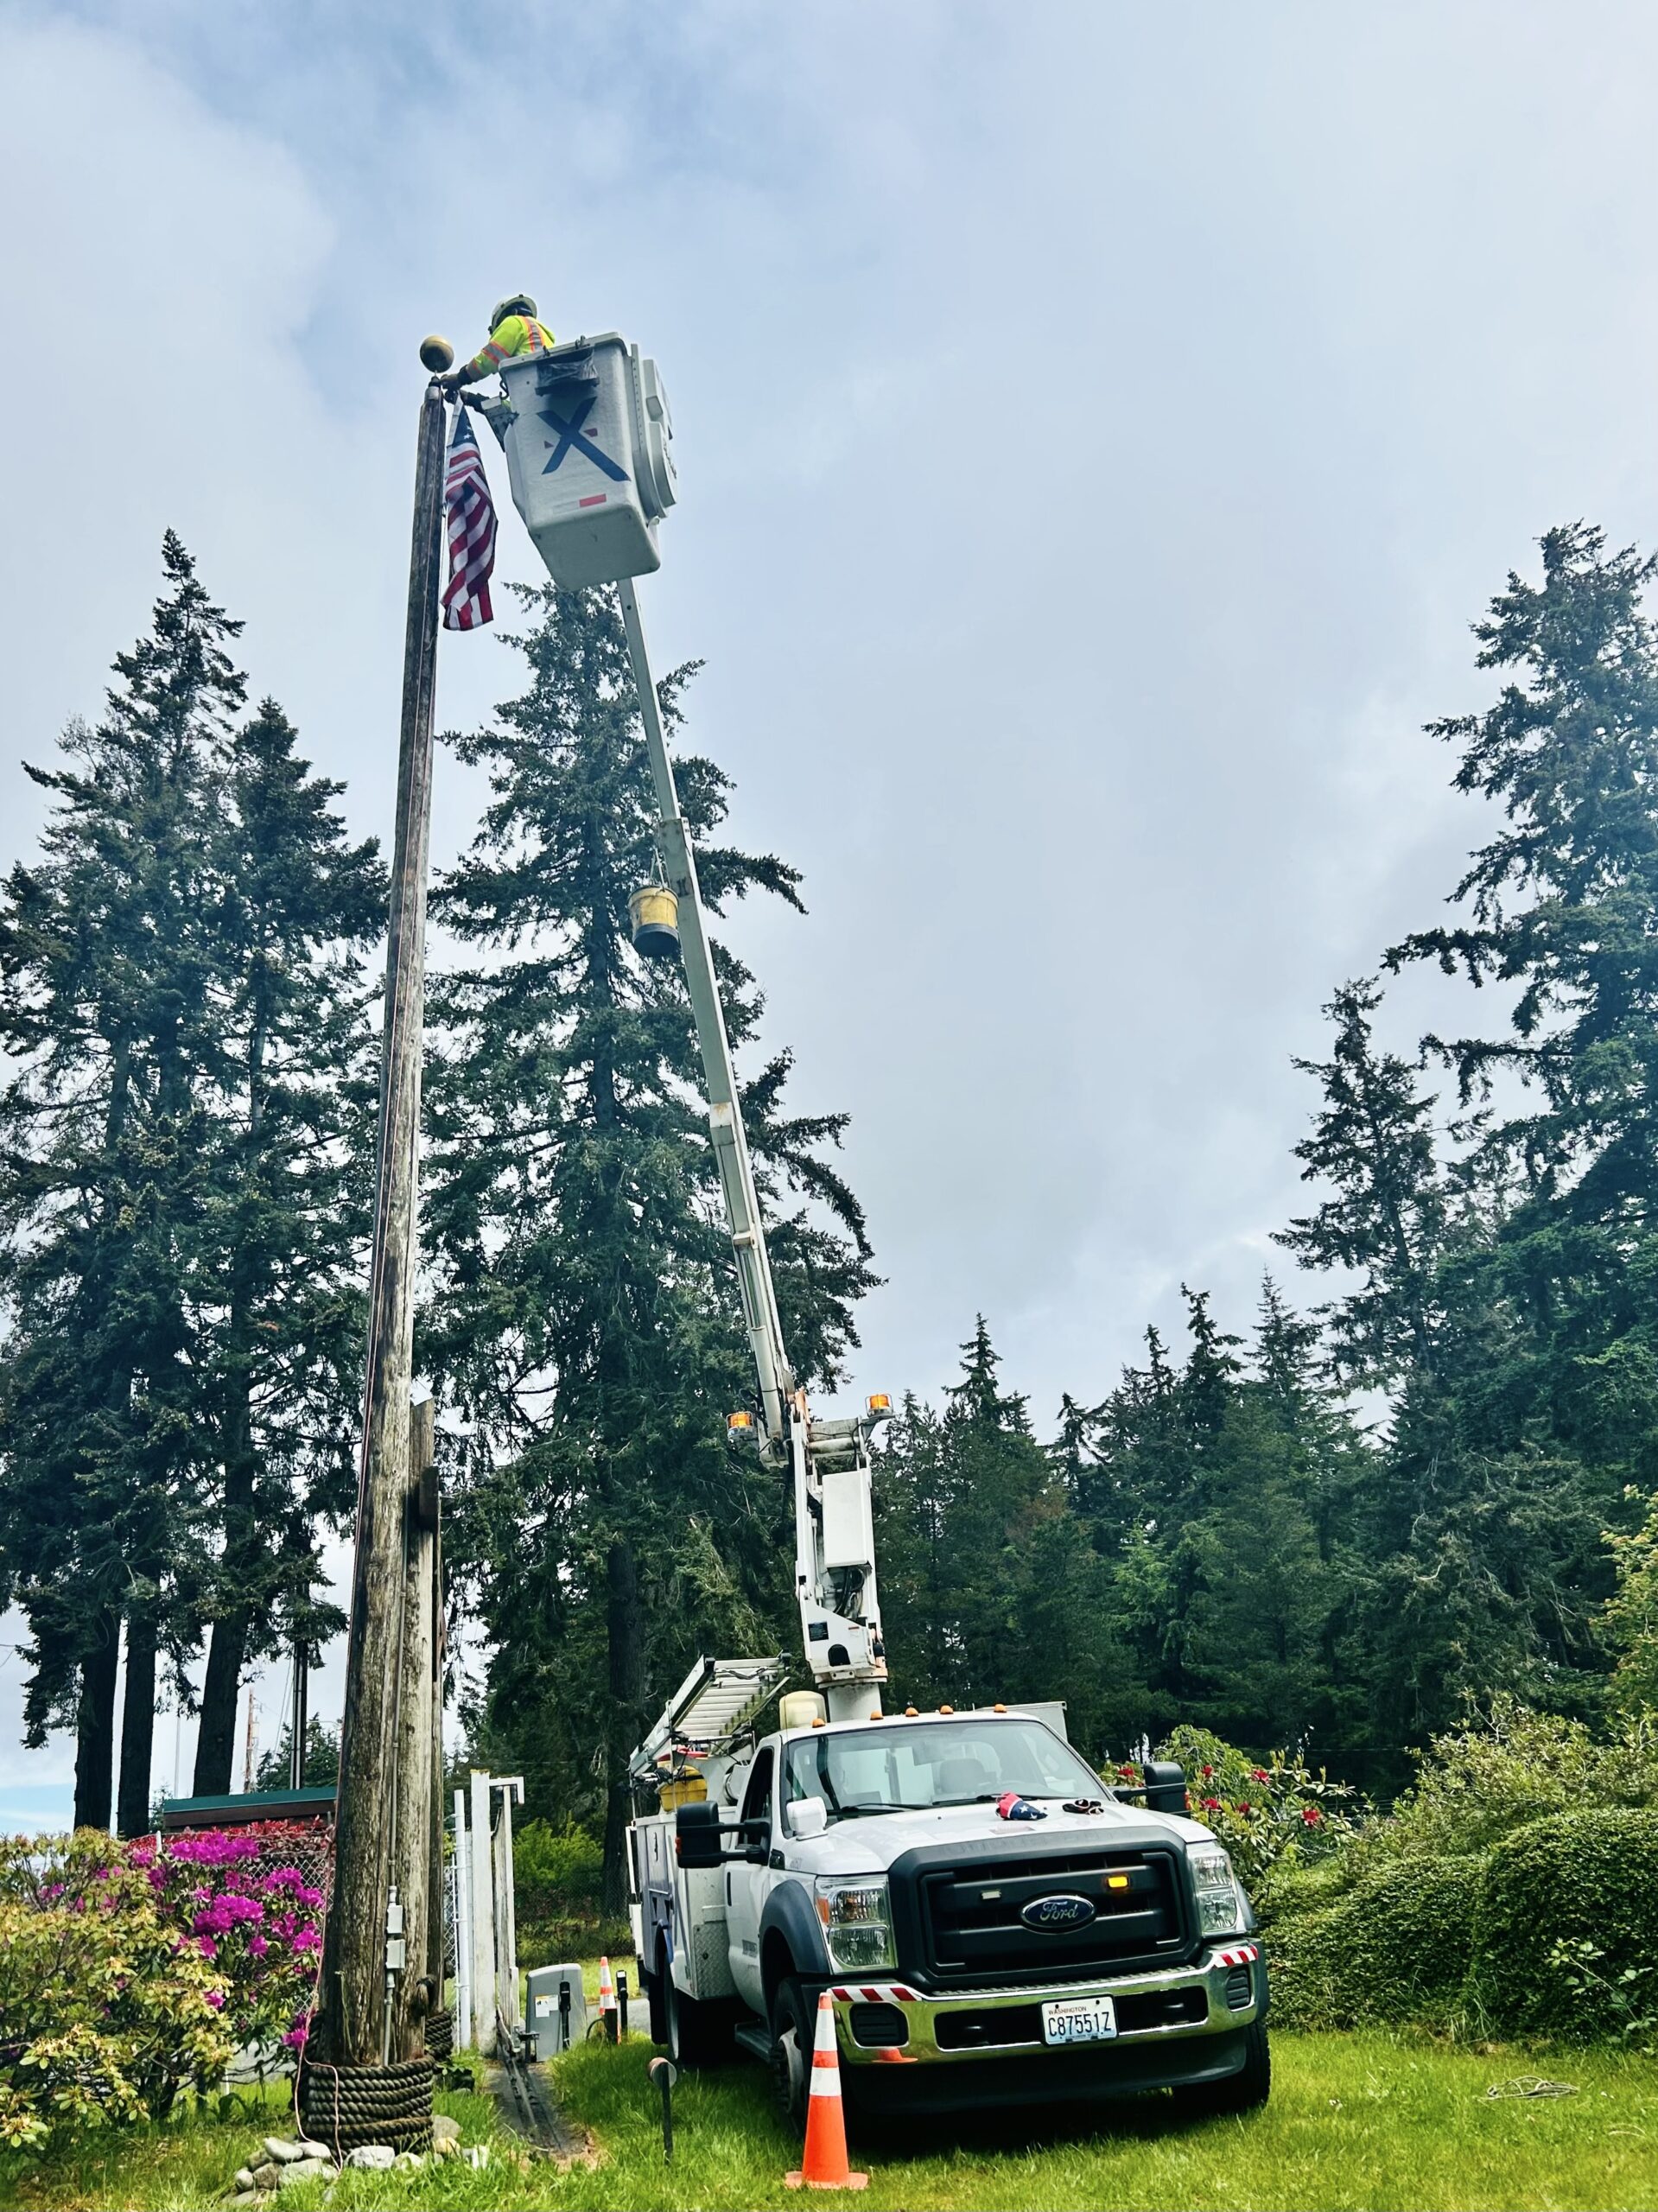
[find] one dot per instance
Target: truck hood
(869, 1845)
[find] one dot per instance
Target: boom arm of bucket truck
(835, 1547)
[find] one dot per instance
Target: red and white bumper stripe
(875, 1993)
(1241, 1954)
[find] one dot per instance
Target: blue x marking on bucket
(570, 434)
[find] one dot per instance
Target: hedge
(1565, 1932)
(1396, 1948)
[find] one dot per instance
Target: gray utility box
(548, 2021)
(589, 449)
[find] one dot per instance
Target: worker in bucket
(514, 330)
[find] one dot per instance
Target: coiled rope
(349, 2106)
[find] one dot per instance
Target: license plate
(1079, 2020)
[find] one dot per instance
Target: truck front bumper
(1174, 2024)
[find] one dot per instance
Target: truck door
(747, 1887)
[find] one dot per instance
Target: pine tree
(991, 1589)
(1561, 904)
(1373, 1143)
(106, 953)
(287, 1229)
(977, 1400)
(180, 1195)
(322, 1766)
(1506, 1306)
(913, 1541)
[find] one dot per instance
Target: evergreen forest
(1336, 1524)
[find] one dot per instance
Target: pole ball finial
(436, 354)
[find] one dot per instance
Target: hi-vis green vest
(519, 333)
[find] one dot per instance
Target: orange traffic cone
(825, 2163)
(607, 2001)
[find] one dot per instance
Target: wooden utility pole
(411, 1836)
(353, 2028)
(434, 1883)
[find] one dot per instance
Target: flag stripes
(470, 514)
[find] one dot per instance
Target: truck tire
(791, 2055)
(794, 2030)
(1245, 2091)
(697, 2035)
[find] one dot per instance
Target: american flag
(471, 516)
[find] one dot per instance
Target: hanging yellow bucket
(654, 912)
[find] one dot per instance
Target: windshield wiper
(867, 1812)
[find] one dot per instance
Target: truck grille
(972, 1923)
(999, 2025)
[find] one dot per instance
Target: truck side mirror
(697, 1836)
(1166, 1786)
(808, 1818)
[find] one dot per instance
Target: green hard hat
(514, 304)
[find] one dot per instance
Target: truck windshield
(908, 1769)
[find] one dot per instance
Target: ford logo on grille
(1057, 1912)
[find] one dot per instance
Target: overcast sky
(1097, 427)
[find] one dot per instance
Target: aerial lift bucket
(589, 449)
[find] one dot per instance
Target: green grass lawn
(1361, 2120)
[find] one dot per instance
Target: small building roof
(246, 1805)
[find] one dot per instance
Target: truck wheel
(697, 2035)
(1245, 2091)
(792, 2055)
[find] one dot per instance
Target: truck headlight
(857, 1923)
(1220, 1909)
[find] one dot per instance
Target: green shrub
(558, 1874)
(1395, 1948)
(1504, 1770)
(548, 1942)
(107, 2009)
(1566, 1935)
(1293, 1887)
